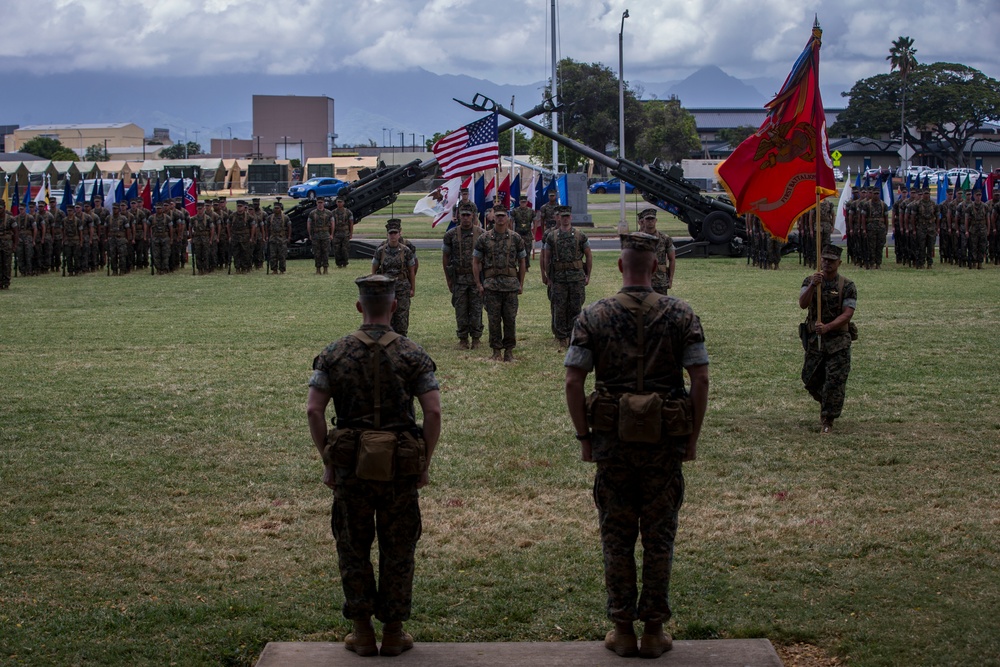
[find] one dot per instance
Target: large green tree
(948, 102)
(49, 149)
(96, 153)
(181, 151)
(670, 132)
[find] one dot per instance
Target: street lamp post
(622, 225)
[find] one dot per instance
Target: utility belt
(490, 273)
(641, 417)
(377, 456)
(567, 266)
(463, 271)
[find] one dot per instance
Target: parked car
(612, 186)
(958, 175)
(316, 187)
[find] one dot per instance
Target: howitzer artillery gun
(712, 222)
(376, 190)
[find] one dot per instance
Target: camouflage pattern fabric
(976, 214)
(501, 311)
(25, 249)
(118, 231)
(465, 298)
(547, 213)
(240, 226)
(364, 509)
(500, 252)
(640, 486)
(160, 230)
(395, 263)
(567, 291)
(638, 489)
(521, 221)
(7, 227)
(565, 300)
(825, 371)
(319, 226)
(877, 229)
(921, 250)
(661, 277)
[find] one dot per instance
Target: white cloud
(507, 43)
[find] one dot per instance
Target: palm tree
(901, 57)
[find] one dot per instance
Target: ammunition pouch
(490, 273)
(640, 417)
(378, 456)
(567, 266)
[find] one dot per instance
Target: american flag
(469, 149)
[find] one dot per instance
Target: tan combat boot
(362, 639)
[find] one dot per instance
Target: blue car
(317, 187)
(612, 186)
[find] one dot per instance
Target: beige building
(80, 136)
(293, 126)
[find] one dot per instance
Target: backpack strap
(384, 341)
(639, 308)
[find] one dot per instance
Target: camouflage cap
(467, 206)
(831, 251)
(393, 223)
(639, 241)
(647, 213)
(564, 210)
(201, 204)
(500, 209)
(375, 285)
(341, 198)
(240, 202)
(278, 204)
(463, 190)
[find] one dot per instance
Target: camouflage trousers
(277, 254)
(201, 247)
(341, 249)
(660, 282)
(25, 251)
(161, 254)
(6, 263)
(977, 243)
(117, 249)
(565, 300)
(876, 244)
(638, 491)
(922, 253)
(390, 510)
(321, 252)
(529, 243)
(401, 318)
(242, 254)
(824, 375)
(468, 305)
(70, 258)
(501, 312)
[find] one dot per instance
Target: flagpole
(817, 34)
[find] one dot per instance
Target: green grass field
(161, 503)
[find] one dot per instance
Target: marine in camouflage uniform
(119, 238)
(566, 265)
(279, 231)
(363, 509)
(826, 367)
(99, 249)
(72, 240)
(976, 228)
(225, 238)
(26, 235)
(140, 234)
(395, 260)
(994, 233)
(259, 217)
(547, 212)
(320, 227)
(523, 220)
(666, 259)
(456, 258)
(161, 232)
(202, 233)
(463, 203)
(8, 238)
(638, 487)
(958, 213)
(43, 248)
(498, 269)
(343, 232)
(900, 240)
(58, 223)
(923, 215)
(241, 230)
(876, 223)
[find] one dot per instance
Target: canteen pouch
(376, 456)
(678, 416)
(411, 455)
(341, 448)
(601, 412)
(639, 417)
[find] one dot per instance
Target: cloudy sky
(506, 42)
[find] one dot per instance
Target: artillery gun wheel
(719, 227)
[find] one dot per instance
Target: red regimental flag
(191, 198)
(147, 198)
(778, 171)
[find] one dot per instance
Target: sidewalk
(710, 653)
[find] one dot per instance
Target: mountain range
(368, 106)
